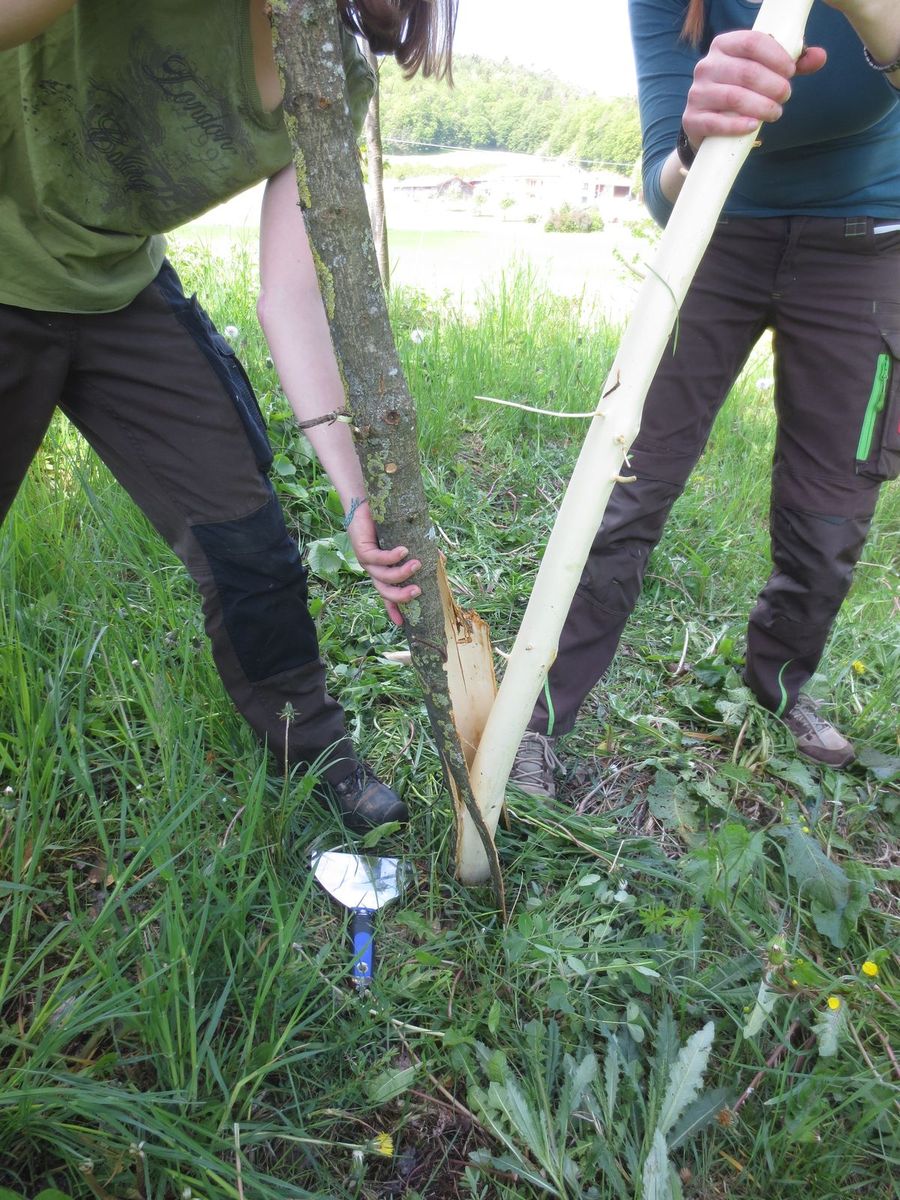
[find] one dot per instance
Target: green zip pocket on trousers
(875, 406)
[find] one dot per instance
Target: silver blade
(356, 880)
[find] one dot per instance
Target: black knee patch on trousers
(262, 588)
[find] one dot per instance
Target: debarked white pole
(610, 434)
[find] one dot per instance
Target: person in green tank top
(117, 123)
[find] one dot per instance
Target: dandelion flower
(834, 1003)
(384, 1145)
(870, 968)
(859, 668)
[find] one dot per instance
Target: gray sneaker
(535, 765)
(817, 738)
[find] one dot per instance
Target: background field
(176, 1019)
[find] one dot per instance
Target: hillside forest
(501, 106)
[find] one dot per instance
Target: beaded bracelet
(881, 68)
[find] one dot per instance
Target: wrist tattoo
(356, 503)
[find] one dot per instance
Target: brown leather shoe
(535, 765)
(363, 801)
(815, 737)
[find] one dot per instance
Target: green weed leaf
(612, 1067)
(390, 1084)
(885, 767)
(578, 1079)
(765, 1002)
(508, 1165)
(669, 802)
(686, 1077)
(829, 1029)
(520, 1116)
(733, 705)
(700, 1113)
(655, 1184)
(835, 900)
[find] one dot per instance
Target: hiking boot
(815, 737)
(363, 801)
(535, 764)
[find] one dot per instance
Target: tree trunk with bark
(375, 158)
(307, 51)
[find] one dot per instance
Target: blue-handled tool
(364, 885)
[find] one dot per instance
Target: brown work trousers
(829, 289)
(161, 397)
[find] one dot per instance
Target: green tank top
(120, 122)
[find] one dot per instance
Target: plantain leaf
(686, 1077)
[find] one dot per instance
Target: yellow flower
(384, 1145)
(834, 1003)
(859, 668)
(870, 968)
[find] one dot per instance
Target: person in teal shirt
(809, 248)
(119, 122)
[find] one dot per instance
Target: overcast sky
(585, 42)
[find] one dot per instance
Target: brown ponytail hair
(419, 33)
(694, 20)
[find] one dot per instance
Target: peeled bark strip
(307, 51)
(611, 434)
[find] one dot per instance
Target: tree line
(501, 106)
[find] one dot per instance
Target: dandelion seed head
(231, 332)
(417, 336)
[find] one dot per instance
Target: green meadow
(696, 991)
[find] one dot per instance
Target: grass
(176, 1019)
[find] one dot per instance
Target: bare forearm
(22, 20)
(293, 319)
(297, 332)
(878, 24)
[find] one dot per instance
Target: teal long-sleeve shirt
(835, 152)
